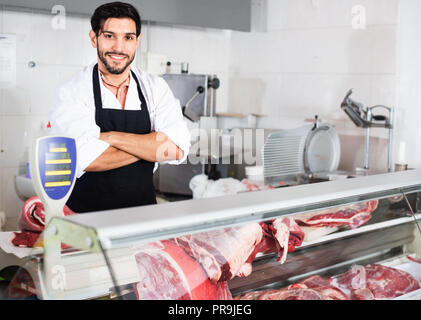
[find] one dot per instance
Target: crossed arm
(128, 148)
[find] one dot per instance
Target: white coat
(73, 113)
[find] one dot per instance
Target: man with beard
(123, 119)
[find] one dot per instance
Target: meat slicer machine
(364, 118)
(299, 155)
(101, 262)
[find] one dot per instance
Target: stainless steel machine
(197, 96)
(298, 154)
(196, 92)
(364, 118)
(102, 263)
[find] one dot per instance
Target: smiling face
(116, 44)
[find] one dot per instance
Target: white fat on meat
(282, 228)
(223, 253)
(31, 206)
(148, 257)
(173, 282)
(312, 233)
(207, 260)
(353, 215)
(245, 270)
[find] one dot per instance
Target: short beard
(111, 69)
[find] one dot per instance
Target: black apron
(128, 186)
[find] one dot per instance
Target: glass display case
(346, 239)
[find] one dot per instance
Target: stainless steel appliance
(364, 118)
(197, 96)
(196, 93)
(290, 155)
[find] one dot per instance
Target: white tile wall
(207, 51)
(408, 89)
(9, 194)
(18, 132)
(287, 14)
(311, 56)
(15, 101)
(58, 55)
(21, 24)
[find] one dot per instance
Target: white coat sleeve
(70, 116)
(169, 118)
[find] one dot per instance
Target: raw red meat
(254, 186)
(313, 288)
(414, 259)
(287, 235)
(286, 232)
(323, 286)
(350, 215)
(252, 295)
(282, 294)
(267, 245)
(316, 281)
(362, 294)
(291, 294)
(224, 253)
(24, 239)
(277, 235)
(168, 273)
(33, 215)
(22, 286)
(383, 282)
(32, 223)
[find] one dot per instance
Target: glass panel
(73, 274)
(262, 260)
(258, 260)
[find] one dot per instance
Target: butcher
(123, 119)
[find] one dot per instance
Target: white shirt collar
(109, 100)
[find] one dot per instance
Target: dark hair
(114, 10)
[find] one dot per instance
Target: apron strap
(97, 94)
(141, 95)
(98, 99)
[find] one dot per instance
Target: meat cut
(353, 216)
(223, 253)
(413, 259)
(25, 239)
(33, 215)
(229, 252)
(167, 272)
(287, 235)
(32, 223)
(323, 286)
(282, 294)
(375, 281)
(359, 283)
(284, 234)
(313, 288)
